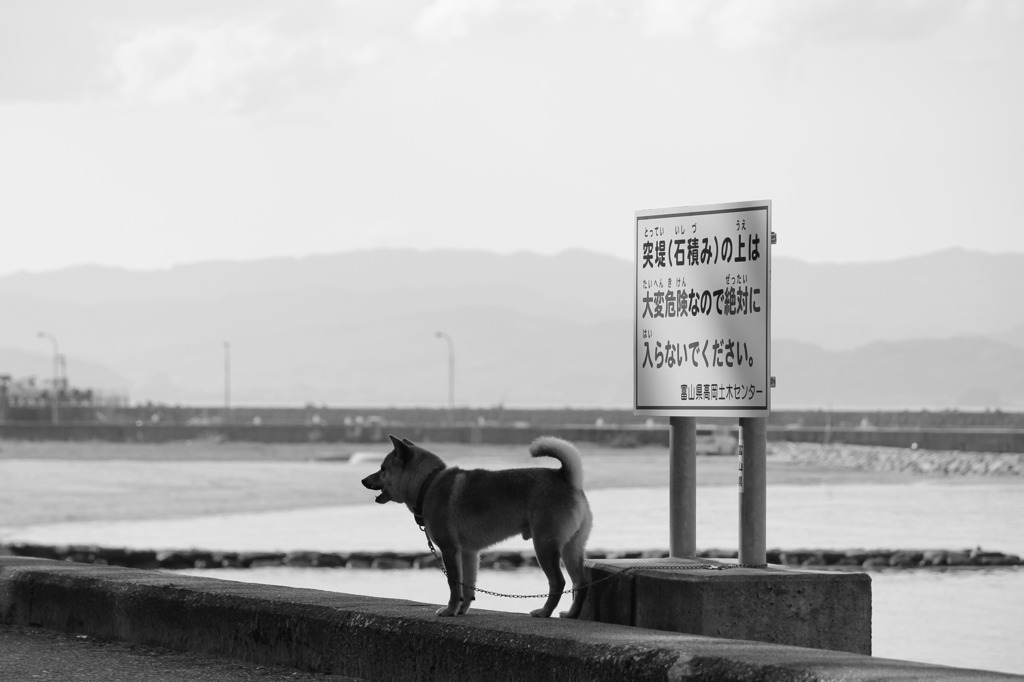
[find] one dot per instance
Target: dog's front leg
(470, 565)
(453, 567)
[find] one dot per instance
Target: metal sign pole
(683, 487)
(753, 450)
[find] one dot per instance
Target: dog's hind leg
(470, 565)
(452, 561)
(573, 554)
(548, 557)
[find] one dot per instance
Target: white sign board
(702, 333)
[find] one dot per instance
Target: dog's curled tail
(566, 453)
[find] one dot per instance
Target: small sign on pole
(702, 344)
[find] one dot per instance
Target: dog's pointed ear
(407, 441)
(401, 447)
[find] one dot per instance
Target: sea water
(968, 618)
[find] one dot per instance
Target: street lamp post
(451, 375)
(5, 380)
(227, 382)
(56, 375)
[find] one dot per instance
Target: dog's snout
(373, 482)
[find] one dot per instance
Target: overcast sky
(147, 134)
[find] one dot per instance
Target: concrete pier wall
(384, 639)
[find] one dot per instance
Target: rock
(175, 560)
(958, 558)
(141, 559)
(261, 560)
(301, 559)
(503, 565)
(80, 554)
(37, 551)
(1001, 466)
(990, 559)
(934, 557)
(127, 557)
(858, 555)
(359, 562)
(875, 562)
(905, 559)
(795, 557)
(389, 563)
(204, 560)
(507, 559)
(329, 560)
(655, 554)
(226, 560)
(426, 561)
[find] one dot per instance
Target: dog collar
(417, 511)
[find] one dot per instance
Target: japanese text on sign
(702, 339)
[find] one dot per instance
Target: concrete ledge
(374, 639)
(820, 609)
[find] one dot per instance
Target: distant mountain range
(359, 328)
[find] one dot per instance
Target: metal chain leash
(627, 569)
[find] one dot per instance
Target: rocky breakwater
(854, 559)
(880, 559)
(901, 460)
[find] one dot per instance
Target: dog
(465, 511)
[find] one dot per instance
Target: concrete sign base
(818, 609)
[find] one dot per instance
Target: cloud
(730, 24)
(752, 24)
(235, 66)
(450, 19)
(673, 18)
(225, 54)
(242, 63)
(242, 55)
(453, 18)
